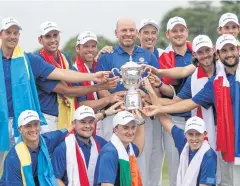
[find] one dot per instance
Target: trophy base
(133, 100)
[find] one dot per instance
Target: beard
(231, 65)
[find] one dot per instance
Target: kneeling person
(117, 164)
(74, 160)
(28, 162)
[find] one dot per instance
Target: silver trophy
(131, 73)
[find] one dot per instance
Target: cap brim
(228, 22)
(82, 116)
(222, 45)
(150, 23)
(129, 120)
(83, 41)
(28, 121)
(178, 23)
(13, 24)
(203, 45)
(200, 130)
(49, 30)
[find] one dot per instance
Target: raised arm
(75, 77)
(175, 73)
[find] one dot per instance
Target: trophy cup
(131, 73)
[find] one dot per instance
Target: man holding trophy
(126, 56)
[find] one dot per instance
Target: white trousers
(144, 159)
(171, 151)
(230, 173)
(52, 122)
(157, 156)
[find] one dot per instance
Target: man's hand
(110, 83)
(153, 69)
(106, 49)
(114, 108)
(115, 97)
(101, 76)
(151, 110)
(137, 114)
(154, 80)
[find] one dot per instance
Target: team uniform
(12, 168)
(59, 161)
(116, 59)
(209, 162)
(40, 70)
(107, 168)
(179, 119)
(48, 98)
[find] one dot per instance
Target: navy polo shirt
(59, 157)
(40, 69)
(119, 57)
(208, 167)
(12, 169)
(107, 168)
(48, 98)
(156, 53)
(182, 61)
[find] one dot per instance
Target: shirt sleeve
(59, 160)
(12, 173)
(40, 68)
(186, 92)
(103, 63)
(54, 138)
(208, 171)
(179, 138)
(46, 85)
(205, 97)
(108, 168)
(135, 149)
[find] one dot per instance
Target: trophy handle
(150, 70)
(116, 70)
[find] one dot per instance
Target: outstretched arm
(175, 73)
(75, 77)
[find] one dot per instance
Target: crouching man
(117, 164)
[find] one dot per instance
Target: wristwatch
(103, 113)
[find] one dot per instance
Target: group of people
(64, 122)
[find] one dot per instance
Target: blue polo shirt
(12, 169)
(119, 57)
(206, 97)
(107, 170)
(182, 61)
(40, 69)
(48, 98)
(59, 157)
(208, 168)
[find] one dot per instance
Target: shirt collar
(188, 51)
(82, 144)
(119, 49)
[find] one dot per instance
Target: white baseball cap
(48, 26)
(195, 123)
(228, 17)
(83, 112)
(85, 37)
(123, 118)
(225, 39)
(174, 21)
(27, 116)
(148, 21)
(201, 41)
(8, 22)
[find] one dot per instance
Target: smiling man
(28, 162)
(222, 90)
(198, 161)
(117, 164)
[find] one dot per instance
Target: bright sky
(74, 17)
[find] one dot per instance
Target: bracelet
(142, 123)
(104, 114)
(160, 85)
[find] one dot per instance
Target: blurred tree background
(201, 18)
